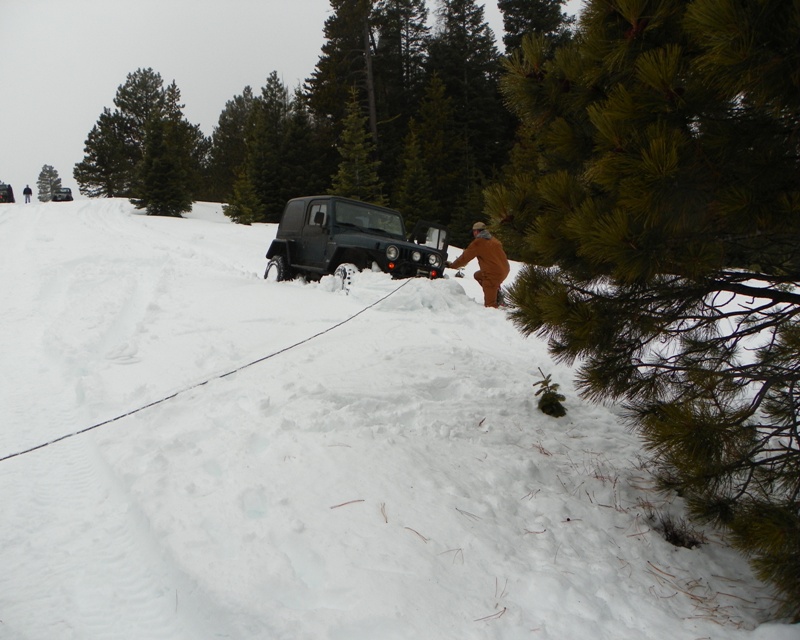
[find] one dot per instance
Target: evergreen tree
(107, 166)
(358, 172)
(172, 159)
(47, 183)
(267, 147)
(541, 17)
(400, 55)
(660, 217)
(464, 56)
(279, 151)
(228, 151)
(116, 145)
(244, 206)
(414, 195)
(164, 181)
(442, 145)
(399, 75)
(189, 144)
(140, 100)
(307, 157)
(342, 65)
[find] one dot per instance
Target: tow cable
(204, 382)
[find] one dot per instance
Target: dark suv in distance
(324, 235)
(62, 194)
(6, 193)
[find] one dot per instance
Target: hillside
(231, 458)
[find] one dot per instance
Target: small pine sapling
(674, 530)
(550, 399)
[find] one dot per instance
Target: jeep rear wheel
(277, 271)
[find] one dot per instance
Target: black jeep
(62, 194)
(6, 193)
(324, 235)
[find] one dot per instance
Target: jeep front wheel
(343, 276)
(277, 271)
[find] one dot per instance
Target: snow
(232, 458)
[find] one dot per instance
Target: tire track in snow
(104, 578)
(88, 578)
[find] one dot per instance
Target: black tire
(344, 275)
(277, 271)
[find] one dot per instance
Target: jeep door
(315, 235)
(430, 234)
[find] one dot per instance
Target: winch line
(204, 382)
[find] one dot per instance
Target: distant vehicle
(324, 235)
(6, 193)
(62, 194)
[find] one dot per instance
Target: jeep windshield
(369, 219)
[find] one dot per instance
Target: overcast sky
(61, 62)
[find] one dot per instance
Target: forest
(412, 103)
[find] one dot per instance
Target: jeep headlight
(433, 260)
(416, 256)
(392, 252)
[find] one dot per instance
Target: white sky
(61, 62)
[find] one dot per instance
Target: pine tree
(399, 75)
(463, 55)
(116, 145)
(164, 181)
(140, 100)
(108, 163)
(172, 159)
(527, 17)
(244, 206)
(47, 183)
(342, 66)
(229, 144)
(267, 147)
(189, 144)
(343, 63)
(276, 150)
(442, 145)
(414, 195)
(402, 34)
(358, 171)
(308, 158)
(659, 213)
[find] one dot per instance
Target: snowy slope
(286, 461)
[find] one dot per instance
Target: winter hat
(478, 226)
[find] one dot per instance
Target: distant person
(492, 260)
(27, 193)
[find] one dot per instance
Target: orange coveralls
(493, 263)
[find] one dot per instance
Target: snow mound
(410, 295)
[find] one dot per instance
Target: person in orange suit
(492, 262)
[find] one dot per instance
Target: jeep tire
(343, 276)
(277, 271)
